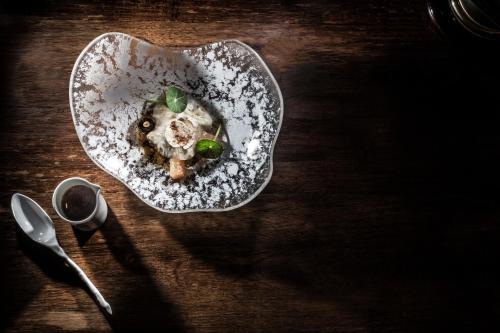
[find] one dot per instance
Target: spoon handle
(102, 302)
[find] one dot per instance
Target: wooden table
(383, 213)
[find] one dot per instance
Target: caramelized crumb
(158, 158)
(148, 151)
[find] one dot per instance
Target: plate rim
(197, 210)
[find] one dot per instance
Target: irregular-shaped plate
(116, 73)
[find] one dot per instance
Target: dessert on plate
(177, 132)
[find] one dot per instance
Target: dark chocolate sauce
(78, 202)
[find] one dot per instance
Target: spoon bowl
(33, 220)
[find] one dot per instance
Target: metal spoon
(35, 222)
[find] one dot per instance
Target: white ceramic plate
(114, 75)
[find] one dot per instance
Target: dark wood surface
(383, 213)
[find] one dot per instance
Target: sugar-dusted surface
(117, 73)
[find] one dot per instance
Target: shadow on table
(138, 303)
(407, 234)
(82, 236)
(235, 244)
(21, 291)
(394, 275)
(229, 247)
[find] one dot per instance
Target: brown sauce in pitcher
(78, 202)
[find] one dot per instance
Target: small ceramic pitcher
(99, 213)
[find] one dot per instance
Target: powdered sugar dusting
(116, 73)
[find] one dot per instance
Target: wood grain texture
(382, 214)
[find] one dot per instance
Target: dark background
(382, 214)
